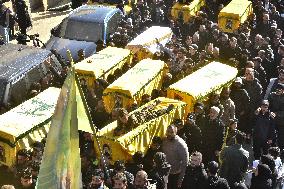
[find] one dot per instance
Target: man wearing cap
(263, 130)
(212, 135)
(276, 100)
(234, 161)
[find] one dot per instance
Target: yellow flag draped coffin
(234, 14)
(140, 138)
(130, 87)
(202, 82)
(26, 123)
(145, 44)
(102, 64)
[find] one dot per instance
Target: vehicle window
(3, 85)
(55, 63)
(18, 92)
(84, 31)
(34, 75)
(113, 23)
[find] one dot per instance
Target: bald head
(171, 132)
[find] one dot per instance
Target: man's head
(26, 178)
(119, 181)
(171, 132)
(195, 159)
(249, 74)
(156, 143)
(214, 112)
(264, 106)
(198, 108)
(212, 168)
(225, 93)
(281, 75)
(279, 89)
(22, 157)
(240, 138)
(97, 178)
(233, 123)
(141, 181)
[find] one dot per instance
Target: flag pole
(93, 127)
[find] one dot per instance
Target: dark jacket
(192, 135)
(213, 134)
(263, 127)
(195, 177)
(215, 182)
(241, 99)
(277, 106)
(259, 183)
(160, 176)
(234, 163)
(254, 90)
(148, 158)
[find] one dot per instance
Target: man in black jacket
(276, 101)
(263, 130)
(234, 161)
(214, 181)
(212, 136)
(195, 174)
(241, 99)
(191, 134)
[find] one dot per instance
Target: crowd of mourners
(211, 150)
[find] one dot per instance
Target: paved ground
(43, 22)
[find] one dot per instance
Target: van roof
(92, 13)
(17, 59)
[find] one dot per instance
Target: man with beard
(97, 180)
(177, 155)
(195, 175)
(228, 105)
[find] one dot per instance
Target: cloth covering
(199, 84)
(139, 80)
(187, 11)
(27, 123)
(234, 14)
(102, 64)
(140, 138)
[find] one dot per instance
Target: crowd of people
(207, 151)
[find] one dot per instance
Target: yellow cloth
(234, 14)
(145, 45)
(102, 64)
(140, 138)
(199, 84)
(186, 10)
(61, 164)
(139, 80)
(25, 124)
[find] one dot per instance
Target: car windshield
(83, 31)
